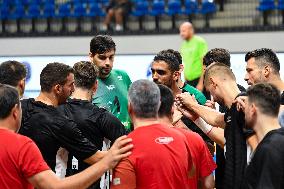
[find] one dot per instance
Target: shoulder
(199, 39)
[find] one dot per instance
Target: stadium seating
(265, 6)
(157, 10)
(280, 7)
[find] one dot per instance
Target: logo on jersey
(228, 119)
(119, 77)
(110, 87)
(164, 140)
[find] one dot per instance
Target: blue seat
(207, 7)
(4, 11)
(174, 7)
(191, 7)
(33, 11)
(280, 5)
(48, 10)
(64, 10)
(95, 10)
(17, 13)
(266, 5)
(158, 8)
(141, 8)
(79, 10)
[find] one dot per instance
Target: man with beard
(166, 71)
(266, 169)
(220, 81)
(263, 66)
(94, 122)
(113, 84)
(47, 127)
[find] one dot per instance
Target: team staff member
(192, 51)
(113, 84)
(220, 81)
(47, 127)
(161, 157)
(94, 122)
(22, 165)
(201, 157)
(266, 169)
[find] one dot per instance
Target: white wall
(149, 44)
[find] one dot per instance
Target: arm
(210, 116)
(48, 180)
(207, 182)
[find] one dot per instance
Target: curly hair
(85, 74)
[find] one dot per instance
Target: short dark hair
(101, 44)
(170, 59)
(264, 57)
(53, 74)
(217, 55)
(11, 72)
(266, 97)
(85, 74)
(175, 53)
(167, 101)
(9, 97)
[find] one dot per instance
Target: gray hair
(144, 97)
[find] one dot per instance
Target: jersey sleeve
(207, 165)
(110, 126)
(124, 176)
(30, 160)
(126, 78)
(72, 139)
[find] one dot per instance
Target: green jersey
(192, 52)
(112, 95)
(199, 96)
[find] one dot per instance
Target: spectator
(192, 51)
(117, 9)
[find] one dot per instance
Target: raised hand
(119, 150)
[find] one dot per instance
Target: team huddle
(91, 127)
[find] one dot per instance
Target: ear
(176, 75)
(91, 56)
(181, 67)
(57, 89)
(213, 81)
(95, 87)
(21, 86)
(267, 71)
(16, 112)
(130, 109)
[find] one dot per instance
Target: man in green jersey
(192, 51)
(113, 84)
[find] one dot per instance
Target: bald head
(220, 71)
(186, 30)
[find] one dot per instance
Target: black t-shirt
(266, 169)
(220, 158)
(94, 122)
(236, 148)
(50, 130)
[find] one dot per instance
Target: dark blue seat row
(265, 6)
